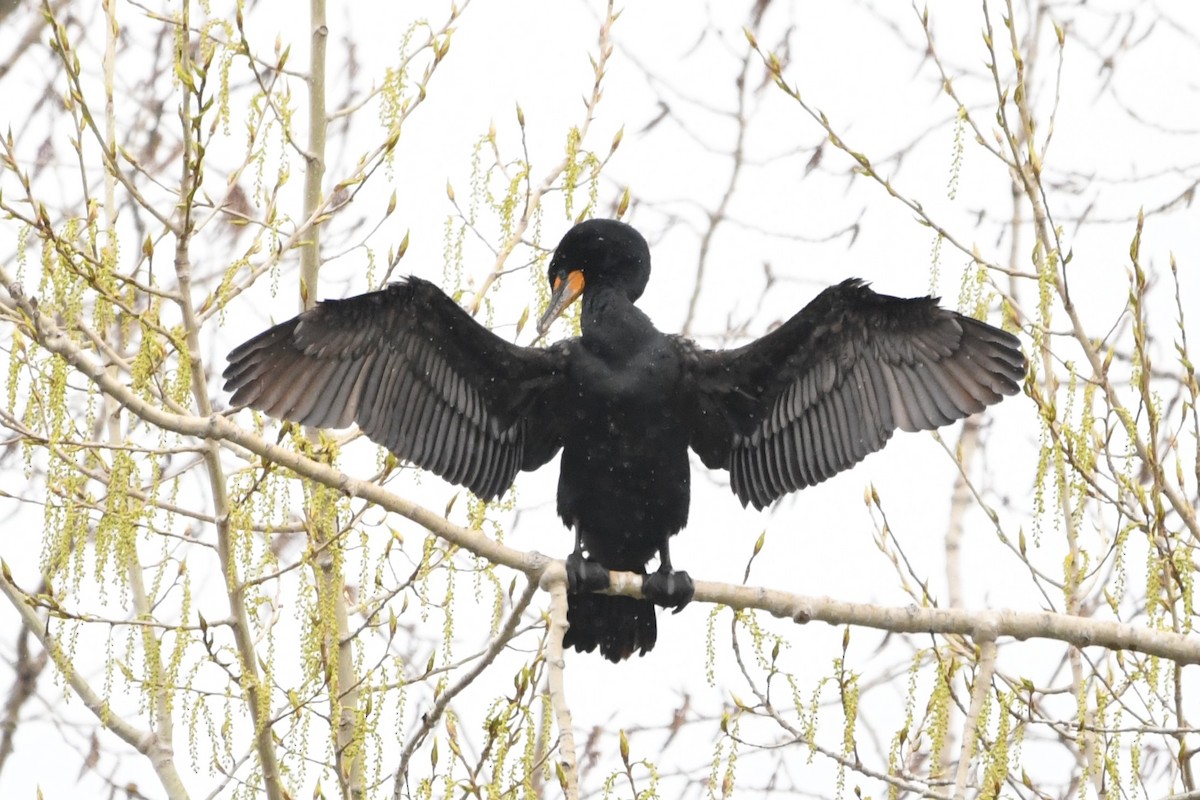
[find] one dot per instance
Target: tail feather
(617, 625)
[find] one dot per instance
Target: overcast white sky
(1124, 138)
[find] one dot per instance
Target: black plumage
(624, 402)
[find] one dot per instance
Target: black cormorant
(624, 402)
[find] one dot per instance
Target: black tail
(617, 625)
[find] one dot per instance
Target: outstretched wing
(830, 385)
(418, 375)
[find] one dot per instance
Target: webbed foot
(672, 590)
(585, 576)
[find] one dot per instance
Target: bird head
(594, 254)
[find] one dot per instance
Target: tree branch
(554, 580)
(158, 752)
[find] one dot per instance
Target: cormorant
(624, 402)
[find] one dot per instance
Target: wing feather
(315, 405)
(917, 402)
(831, 385)
(837, 405)
(395, 390)
(824, 427)
(417, 374)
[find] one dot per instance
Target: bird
(624, 403)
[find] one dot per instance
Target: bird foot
(669, 589)
(585, 576)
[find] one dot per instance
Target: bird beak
(565, 293)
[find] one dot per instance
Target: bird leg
(666, 587)
(584, 575)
